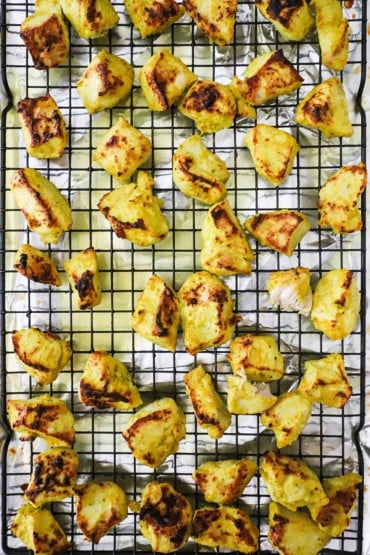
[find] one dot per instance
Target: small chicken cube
(244, 397)
(83, 275)
(256, 357)
(164, 78)
(216, 20)
(292, 19)
(225, 249)
(36, 266)
(224, 481)
(155, 431)
(90, 18)
(107, 383)
(135, 213)
(239, 89)
(199, 173)
(157, 314)
(106, 80)
(280, 230)
(122, 150)
(209, 409)
(333, 33)
(152, 17)
(291, 290)
(41, 353)
(165, 517)
(99, 507)
(45, 209)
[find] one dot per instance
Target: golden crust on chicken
(256, 357)
(291, 18)
(106, 383)
(39, 531)
(244, 397)
(164, 78)
(36, 265)
(151, 17)
(45, 209)
(209, 409)
(325, 108)
(83, 275)
(339, 197)
(210, 105)
(216, 20)
(43, 127)
(273, 151)
(291, 290)
(122, 149)
(42, 416)
(99, 507)
(198, 172)
(135, 213)
(106, 80)
(280, 230)
(154, 432)
(225, 249)
(336, 304)
(157, 314)
(53, 477)
(287, 417)
(225, 527)
(90, 18)
(325, 381)
(206, 309)
(224, 481)
(243, 108)
(41, 353)
(333, 33)
(165, 517)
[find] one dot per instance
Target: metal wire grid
(327, 441)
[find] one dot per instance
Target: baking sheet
(329, 442)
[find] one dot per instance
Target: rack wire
(330, 440)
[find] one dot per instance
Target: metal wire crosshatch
(329, 442)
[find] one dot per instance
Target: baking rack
(329, 442)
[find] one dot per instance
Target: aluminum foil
(125, 269)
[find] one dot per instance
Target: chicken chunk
(216, 20)
(152, 17)
(339, 197)
(243, 108)
(325, 109)
(41, 353)
(291, 290)
(36, 266)
(210, 105)
(135, 213)
(45, 209)
(106, 80)
(165, 517)
(53, 477)
(332, 31)
(287, 417)
(99, 507)
(122, 150)
(90, 18)
(224, 481)
(42, 416)
(83, 275)
(244, 397)
(225, 249)
(225, 527)
(273, 151)
(39, 531)
(280, 230)
(157, 314)
(45, 35)
(154, 432)
(199, 173)
(325, 381)
(336, 304)
(206, 309)
(256, 357)
(106, 383)
(291, 18)
(43, 127)
(209, 409)
(163, 79)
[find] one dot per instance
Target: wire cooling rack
(329, 442)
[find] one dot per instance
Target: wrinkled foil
(99, 442)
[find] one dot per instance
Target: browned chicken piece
(256, 357)
(244, 397)
(83, 274)
(333, 33)
(291, 18)
(36, 266)
(291, 290)
(165, 517)
(152, 17)
(216, 20)
(90, 18)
